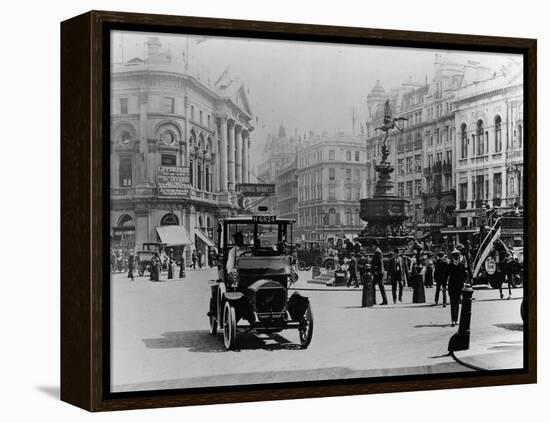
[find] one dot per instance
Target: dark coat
(441, 271)
(377, 263)
(458, 274)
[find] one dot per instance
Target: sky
(306, 86)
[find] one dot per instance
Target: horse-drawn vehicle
(254, 275)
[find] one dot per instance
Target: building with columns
(489, 122)
(178, 149)
(330, 172)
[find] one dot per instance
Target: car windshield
(258, 235)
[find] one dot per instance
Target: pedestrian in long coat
(441, 273)
(395, 272)
(458, 275)
(194, 259)
(131, 264)
(353, 271)
(199, 258)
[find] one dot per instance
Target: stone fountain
(385, 213)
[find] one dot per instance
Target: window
(497, 185)
(192, 112)
(400, 169)
(463, 141)
(430, 160)
(449, 157)
(169, 104)
(463, 191)
(348, 156)
(348, 217)
(418, 163)
(332, 217)
(401, 189)
(357, 175)
(207, 179)
(125, 172)
(417, 186)
(520, 136)
(437, 138)
(357, 156)
(357, 193)
(169, 219)
(208, 121)
(480, 140)
(348, 174)
(408, 164)
(168, 160)
(331, 155)
(200, 117)
(332, 193)
(409, 189)
(191, 179)
(348, 193)
(332, 174)
(199, 176)
(123, 106)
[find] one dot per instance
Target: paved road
(160, 337)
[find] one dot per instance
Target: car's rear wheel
(306, 328)
(329, 265)
(229, 326)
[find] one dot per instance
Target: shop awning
(204, 238)
(173, 235)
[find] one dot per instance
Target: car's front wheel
(212, 322)
(229, 326)
(306, 328)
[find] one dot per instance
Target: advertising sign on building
(173, 180)
(256, 190)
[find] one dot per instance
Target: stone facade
(163, 117)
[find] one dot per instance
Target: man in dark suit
(395, 272)
(353, 271)
(458, 275)
(377, 266)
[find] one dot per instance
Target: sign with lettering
(264, 219)
(173, 180)
(256, 190)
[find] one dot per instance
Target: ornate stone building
(330, 171)
(489, 122)
(178, 148)
(286, 188)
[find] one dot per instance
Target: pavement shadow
(202, 341)
(435, 325)
(516, 327)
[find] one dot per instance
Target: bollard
(367, 299)
(460, 341)
(170, 273)
(419, 295)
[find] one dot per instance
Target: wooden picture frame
(84, 170)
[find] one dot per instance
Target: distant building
(286, 188)
(489, 121)
(178, 148)
(330, 172)
(279, 151)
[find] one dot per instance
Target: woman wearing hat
(458, 275)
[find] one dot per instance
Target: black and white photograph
(298, 211)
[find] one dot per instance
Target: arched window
(207, 179)
(201, 226)
(191, 179)
(199, 175)
(498, 134)
(520, 135)
(480, 138)
(125, 137)
(169, 219)
(463, 141)
(332, 217)
(125, 221)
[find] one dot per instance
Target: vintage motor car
(256, 297)
(146, 254)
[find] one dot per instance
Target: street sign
(256, 190)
